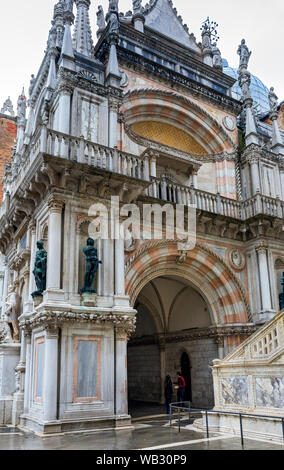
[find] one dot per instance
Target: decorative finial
(210, 28)
(8, 107)
(244, 54)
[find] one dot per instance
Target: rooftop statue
(217, 58)
(244, 82)
(22, 106)
(273, 102)
(92, 266)
(113, 5)
(101, 18)
(244, 54)
(137, 6)
(32, 84)
(8, 107)
(40, 269)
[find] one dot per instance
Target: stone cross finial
(8, 107)
(244, 54)
(273, 102)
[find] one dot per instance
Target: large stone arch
(147, 104)
(203, 268)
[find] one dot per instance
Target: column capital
(55, 204)
(261, 247)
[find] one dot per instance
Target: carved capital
(55, 204)
(261, 247)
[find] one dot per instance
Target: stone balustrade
(99, 156)
(110, 159)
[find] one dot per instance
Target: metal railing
(179, 406)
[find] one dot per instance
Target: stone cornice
(51, 318)
(218, 333)
(167, 76)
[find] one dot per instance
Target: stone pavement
(151, 430)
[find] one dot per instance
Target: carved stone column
(64, 109)
(113, 120)
(53, 290)
(121, 399)
(220, 343)
(27, 386)
(266, 311)
(50, 376)
(254, 171)
(195, 179)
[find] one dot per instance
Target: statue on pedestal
(40, 269)
(13, 309)
(273, 102)
(244, 54)
(93, 262)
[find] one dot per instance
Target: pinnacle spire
(67, 52)
(82, 37)
(277, 143)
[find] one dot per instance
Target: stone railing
(99, 156)
(96, 155)
(208, 202)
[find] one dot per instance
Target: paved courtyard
(151, 431)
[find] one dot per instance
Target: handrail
(233, 413)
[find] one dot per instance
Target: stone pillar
(162, 349)
(108, 272)
(50, 375)
(27, 389)
(119, 267)
(195, 179)
(255, 179)
(121, 372)
(113, 119)
(5, 287)
(220, 343)
(266, 312)
(64, 110)
(53, 290)
(18, 399)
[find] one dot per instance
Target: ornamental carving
(229, 123)
(237, 259)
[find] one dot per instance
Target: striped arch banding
(203, 268)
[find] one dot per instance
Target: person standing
(168, 392)
(181, 388)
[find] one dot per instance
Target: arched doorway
(171, 313)
(186, 373)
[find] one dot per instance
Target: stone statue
(101, 18)
(113, 5)
(13, 310)
(244, 82)
(22, 106)
(206, 41)
(217, 58)
(137, 6)
(244, 54)
(8, 106)
(92, 266)
(273, 102)
(32, 84)
(40, 269)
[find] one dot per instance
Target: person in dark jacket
(168, 392)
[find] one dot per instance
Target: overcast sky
(24, 27)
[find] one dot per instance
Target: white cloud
(24, 30)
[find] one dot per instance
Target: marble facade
(134, 117)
